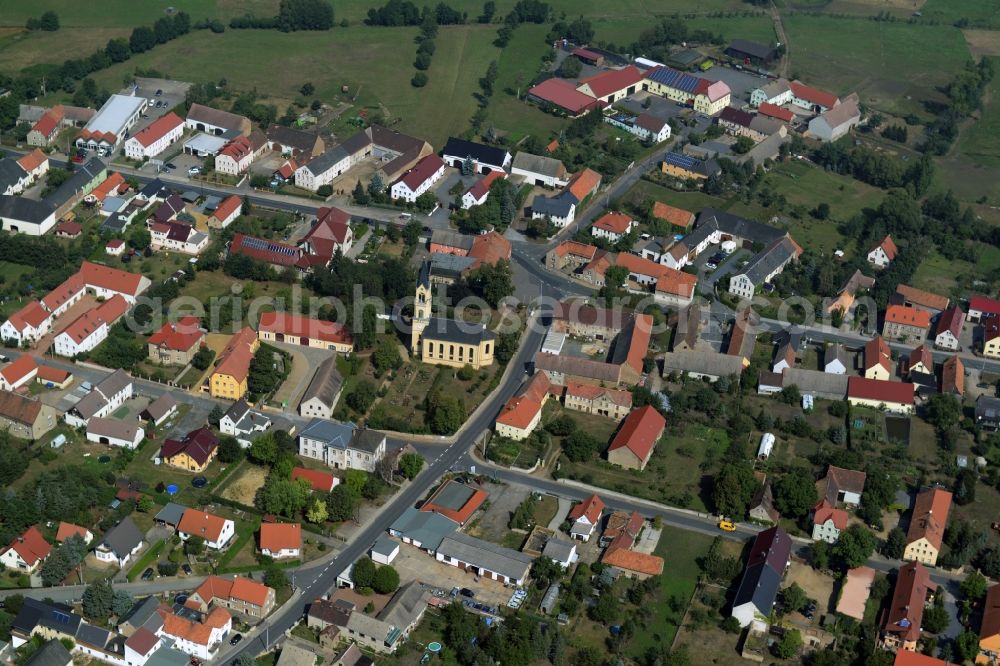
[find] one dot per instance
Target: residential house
(457, 152)
(67, 530)
(114, 432)
(539, 170)
(891, 396)
(120, 544)
(323, 391)
(330, 234)
(197, 634)
(385, 632)
(47, 127)
(570, 256)
(988, 413)
(933, 304)
(982, 308)
(560, 210)
(991, 338)
(335, 162)
(159, 410)
(21, 371)
(878, 359)
(111, 123)
(705, 96)
(583, 185)
(419, 179)
(702, 365)
(647, 127)
(155, 137)
(237, 155)
(686, 167)
(757, 592)
(776, 93)
(178, 237)
(836, 360)
(302, 146)
(677, 217)
(612, 85)
(242, 422)
(828, 522)
(26, 551)
(562, 96)
(812, 99)
(193, 453)
(176, 343)
(884, 253)
(901, 624)
(989, 629)
(761, 507)
(522, 413)
(341, 446)
(764, 267)
(632, 447)
(321, 482)
(226, 212)
(229, 379)
(953, 377)
(83, 180)
(302, 331)
(484, 558)
(35, 164)
(586, 517)
(115, 247)
(632, 563)
(904, 323)
(949, 329)
(928, 522)
(613, 226)
(25, 417)
(213, 121)
(592, 399)
(842, 486)
(281, 541)
(478, 192)
(217, 532)
(104, 398)
(561, 552)
(838, 121)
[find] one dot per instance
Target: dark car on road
(236, 639)
(148, 574)
(466, 592)
(186, 568)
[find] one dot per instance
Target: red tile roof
(953, 376)
(31, 161)
(236, 357)
(180, 336)
(906, 609)
(888, 246)
(199, 633)
(616, 223)
(639, 433)
(984, 305)
(675, 216)
(30, 546)
(951, 320)
(593, 392)
(590, 508)
(922, 356)
(900, 314)
(49, 121)
(143, 641)
(109, 278)
(230, 205)
(631, 560)
(71, 229)
(930, 517)
(877, 352)
(825, 511)
(158, 129)
(423, 171)
(881, 391)
(522, 408)
(240, 588)
(773, 111)
(202, 524)
(482, 186)
(20, 368)
(922, 298)
(611, 81)
(107, 313)
(66, 530)
(32, 314)
(319, 481)
(583, 184)
(563, 94)
(55, 375)
(820, 97)
(907, 658)
(109, 186)
(489, 249)
(287, 323)
(577, 249)
(280, 536)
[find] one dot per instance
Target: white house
(835, 360)
(766, 445)
(883, 253)
(560, 209)
(178, 237)
(18, 373)
(216, 531)
(243, 423)
(586, 517)
(91, 328)
(113, 432)
(281, 541)
(949, 329)
(645, 126)
(341, 445)
(836, 122)
(108, 126)
(102, 399)
(478, 192)
(332, 164)
(384, 550)
(155, 138)
(419, 179)
(612, 226)
(764, 267)
(120, 543)
(27, 324)
(198, 639)
(828, 522)
(26, 216)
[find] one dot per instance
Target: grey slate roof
(161, 406)
(293, 655)
(123, 538)
(557, 206)
(425, 527)
(39, 613)
(836, 352)
(755, 49)
(51, 654)
(91, 403)
(758, 586)
(171, 513)
(765, 263)
(10, 172)
(823, 384)
(462, 149)
(325, 384)
(141, 611)
(353, 144)
(486, 555)
(557, 549)
(451, 239)
(24, 210)
(988, 409)
(80, 177)
(450, 330)
(711, 219)
(405, 606)
(367, 440)
(547, 166)
(329, 432)
(706, 363)
(384, 545)
(450, 265)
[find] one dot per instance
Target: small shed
(384, 550)
(58, 441)
(766, 445)
(550, 600)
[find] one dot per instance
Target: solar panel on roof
(682, 160)
(674, 79)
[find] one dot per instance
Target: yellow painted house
(229, 379)
(991, 336)
(193, 453)
(443, 341)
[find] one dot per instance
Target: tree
(341, 504)
(195, 545)
(422, 62)
(142, 39)
(895, 544)
(386, 580)
(362, 397)
(144, 504)
(244, 660)
(202, 359)
(304, 15)
(974, 586)
(734, 488)
(360, 195)
(386, 356)
(607, 609)
(795, 493)
(363, 573)
(854, 546)
(419, 80)
(121, 603)
(989, 562)
(468, 167)
(263, 450)
(411, 232)
(943, 411)
(97, 600)
(167, 568)
(117, 49)
(965, 487)
(230, 450)
(275, 577)
(967, 645)
(819, 555)
(216, 415)
(615, 277)
(580, 446)
(307, 89)
(743, 145)
(410, 465)
(789, 645)
(494, 282)
(570, 68)
(49, 21)
(445, 413)
(936, 619)
(794, 598)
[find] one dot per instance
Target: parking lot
(414, 564)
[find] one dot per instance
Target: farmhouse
(539, 170)
(24, 417)
(771, 111)
(949, 329)
(295, 329)
(702, 365)
(592, 399)
(483, 158)
(812, 99)
(419, 179)
(612, 226)
(683, 166)
(155, 138)
(633, 445)
(26, 216)
(836, 122)
(478, 192)
(584, 184)
(842, 486)
(764, 267)
(241, 595)
(21, 371)
(560, 210)
(294, 143)
(229, 379)
(521, 414)
(912, 297)
(903, 323)
(213, 121)
(324, 389)
(708, 97)
(562, 96)
(878, 359)
(646, 126)
(108, 127)
(91, 328)
(226, 213)
(176, 343)
(237, 155)
(159, 410)
(114, 432)
(883, 253)
(612, 85)
(26, 552)
(891, 396)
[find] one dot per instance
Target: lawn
(624, 31)
(692, 201)
(981, 13)
(893, 66)
(127, 13)
(941, 275)
(146, 560)
(375, 63)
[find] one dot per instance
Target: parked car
(466, 592)
(187, 569)
(194, 171)
(727, 525)
(236, 639)
(170, 165)
(148, 574)
(159, 92)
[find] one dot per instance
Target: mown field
(623, 31)
(127, 13)
(893, 66)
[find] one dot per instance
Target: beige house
(633, 445)
(24, 417)
(240, 595)
(176, 343)
(927, 525)
(591, 399)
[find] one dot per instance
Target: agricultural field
(980, 13)
(623, 31)
(893, 66)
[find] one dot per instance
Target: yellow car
(727, 526)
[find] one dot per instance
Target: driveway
(741, 83)
(706, 284)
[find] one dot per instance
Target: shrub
(419, 80)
